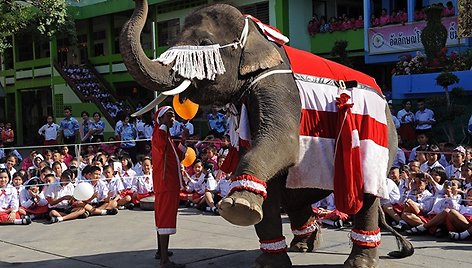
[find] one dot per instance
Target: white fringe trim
(166, 231)
(308, 230)
(366, 238)
(200, 62)
(273, 246)
(248, 184)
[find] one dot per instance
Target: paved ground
(203, 240)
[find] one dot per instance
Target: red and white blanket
(317, 80)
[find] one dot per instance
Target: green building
(34, 81)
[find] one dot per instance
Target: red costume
(166, 178)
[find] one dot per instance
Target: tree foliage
(37, 17)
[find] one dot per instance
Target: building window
(167, 31)
(258, 10)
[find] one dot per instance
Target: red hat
(160, 112)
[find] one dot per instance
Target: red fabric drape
(348, 182)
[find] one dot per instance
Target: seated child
(115, 187)
(32, 199)
(9, 203)
(142, 185)
(62, 205)
(418, 203)
(100, 203)
(326, 211)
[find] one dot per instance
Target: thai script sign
(399, 38)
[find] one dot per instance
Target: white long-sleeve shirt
(26, 199)
(9, 199)
(142, 184)
(49, 132)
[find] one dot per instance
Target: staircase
(90, 86)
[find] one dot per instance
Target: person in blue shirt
(216, 123)
(69, 127)
(97, 127)
(128, 134)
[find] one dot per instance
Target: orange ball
(187, 110)
(190, 157)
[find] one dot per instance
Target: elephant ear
(258, 53)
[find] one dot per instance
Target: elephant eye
(206, 42)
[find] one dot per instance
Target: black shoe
(26, 220)
(53, 220)
(85, 215)
(157, 256)
(112, 211)
(129, 206)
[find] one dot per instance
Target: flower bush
(443, 62)
(410, 65)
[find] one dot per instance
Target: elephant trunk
(150, 74)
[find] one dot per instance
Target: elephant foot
(362, 257)
(306, 243)
(242, 208)
(273, 260)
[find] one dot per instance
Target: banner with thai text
(399, 38)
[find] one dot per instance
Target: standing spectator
(8, 135)
(216, 123)
(128, 134)
(69, 127)
(314, 25)
(384, 18)
(359, 23)
(85, 127)
(449, 10)
(97, 127)
(424, 117)
(49, 131)
(407, 120)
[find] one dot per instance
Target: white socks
(421, 228)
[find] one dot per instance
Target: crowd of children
(429, 186)
(86, 82)
(42, 185)
(343, 22)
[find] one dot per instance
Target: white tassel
(200, 62)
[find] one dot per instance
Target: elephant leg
(306, 230)
(269, 230)
(365, 235)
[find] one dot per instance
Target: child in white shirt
(9, 203)
(142, 184)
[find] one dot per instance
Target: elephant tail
(405, 248)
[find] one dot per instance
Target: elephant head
(216, 24)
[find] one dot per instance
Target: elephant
(246, 64)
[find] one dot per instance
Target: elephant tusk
(151, 105)
(181, 88)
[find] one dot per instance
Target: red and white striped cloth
(316, 79)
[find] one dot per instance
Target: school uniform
(143, 186)
(101, 189)
(33, 206)
(56, 191)
(115, 186)
(452, 171)
(425, 167)
(8, 200)
(393, 193)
